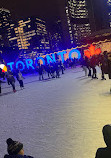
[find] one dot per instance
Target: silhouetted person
(20, 78)
(11, 80)
(48, 69)
(62, 67)
(15, 149)
(57, 66)
(93, 63)
(40, 71)
(105, 152)
(0, 85)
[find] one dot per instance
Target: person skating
(48, 69)
(93, 63)
(103, 65)
(84, 65)
(62, 67)
(15, 149)
(20, 79)
(11, 80)
(105, 152)
(57, 69)
(108, 57)
(52, 67)
(0, 86)
(40, 71)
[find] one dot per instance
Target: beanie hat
(13, 147)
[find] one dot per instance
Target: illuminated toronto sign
(48, 58)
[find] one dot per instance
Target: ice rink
(56, 118)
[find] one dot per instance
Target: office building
(78, 20)
(56, 37)
(6, 29)
(32, 36)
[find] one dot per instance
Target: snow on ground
(57, 118)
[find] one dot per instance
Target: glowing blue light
(49, 59)
(76, 52)
(40, 58)
(29, 63)
(20, 62)
(62, 55)
(10, 64)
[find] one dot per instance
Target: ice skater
(62, 67)
(40, 71)
(108, 57)
(11, 80)
(93, 63)
(57, 67)
(0, 86)
(48, 69)
(105, 152)
(15, 149)
(20, 78)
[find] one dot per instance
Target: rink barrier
(50, 58)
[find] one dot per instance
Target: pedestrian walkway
(57, 118)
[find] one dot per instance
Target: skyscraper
(31, 35)
(6, 27)
(98, 14)
(77, 19)
(56, 36)
(80, 18)
(109, 10)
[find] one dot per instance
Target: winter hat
(13, 147)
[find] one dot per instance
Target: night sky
(46, 9)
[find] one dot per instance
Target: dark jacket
(17, 156)
(105, 152)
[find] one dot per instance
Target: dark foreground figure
(15, 149)
(105, 152)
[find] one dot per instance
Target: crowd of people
(53, 71)
(11, 79)
(102, 60)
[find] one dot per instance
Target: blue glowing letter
(76, 52)
(40, 58)
(29, 63)
(49, 59)
(20, 62)
(10, 64)
(62, 55)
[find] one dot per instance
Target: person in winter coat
(0, 85)
(15, 149)
(62, 67)
(108, 57)
(103, 65)
(20, 79)
(11, 80)
(84, 65)
(40, 71)
(57, 66)
(105, 152)
(48, 69)
(93, 63)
